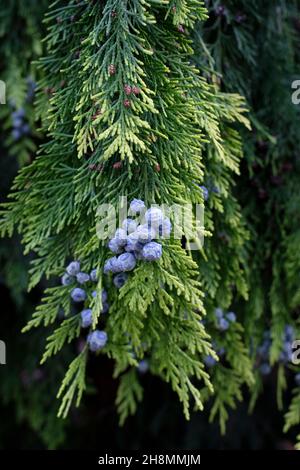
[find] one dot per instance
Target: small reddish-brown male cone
(117, 165)
(127, 103)
(113, 13)
(49, 90)
(97, 113)
(157, 167)
(127, 90)
(181, 28)
(111, 69)
(135, 90)
(96, 167)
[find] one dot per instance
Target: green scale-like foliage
(21, 31)
(22, 383)
(176, 132)
(254, 48)
(20, 44)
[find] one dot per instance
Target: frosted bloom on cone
(104, 296)
(231, 316)
(73, 268)
(66, 280)
(105, 308)
(107, 267)
(82, 278)
(137, 206)
(127, 262)
(121, 236)
(115, 246)
(154, 217)
(129, 225)
(165, 228)
(219, 313)
(133, 242)
(120, 279)
(152, 251)
(223, 324)
(86, 318)
(145, 233)
(97, 340)
(209, 361)
(205, 193)
(78, 294)
(93, 275)
(143, 366)
(112, 265)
